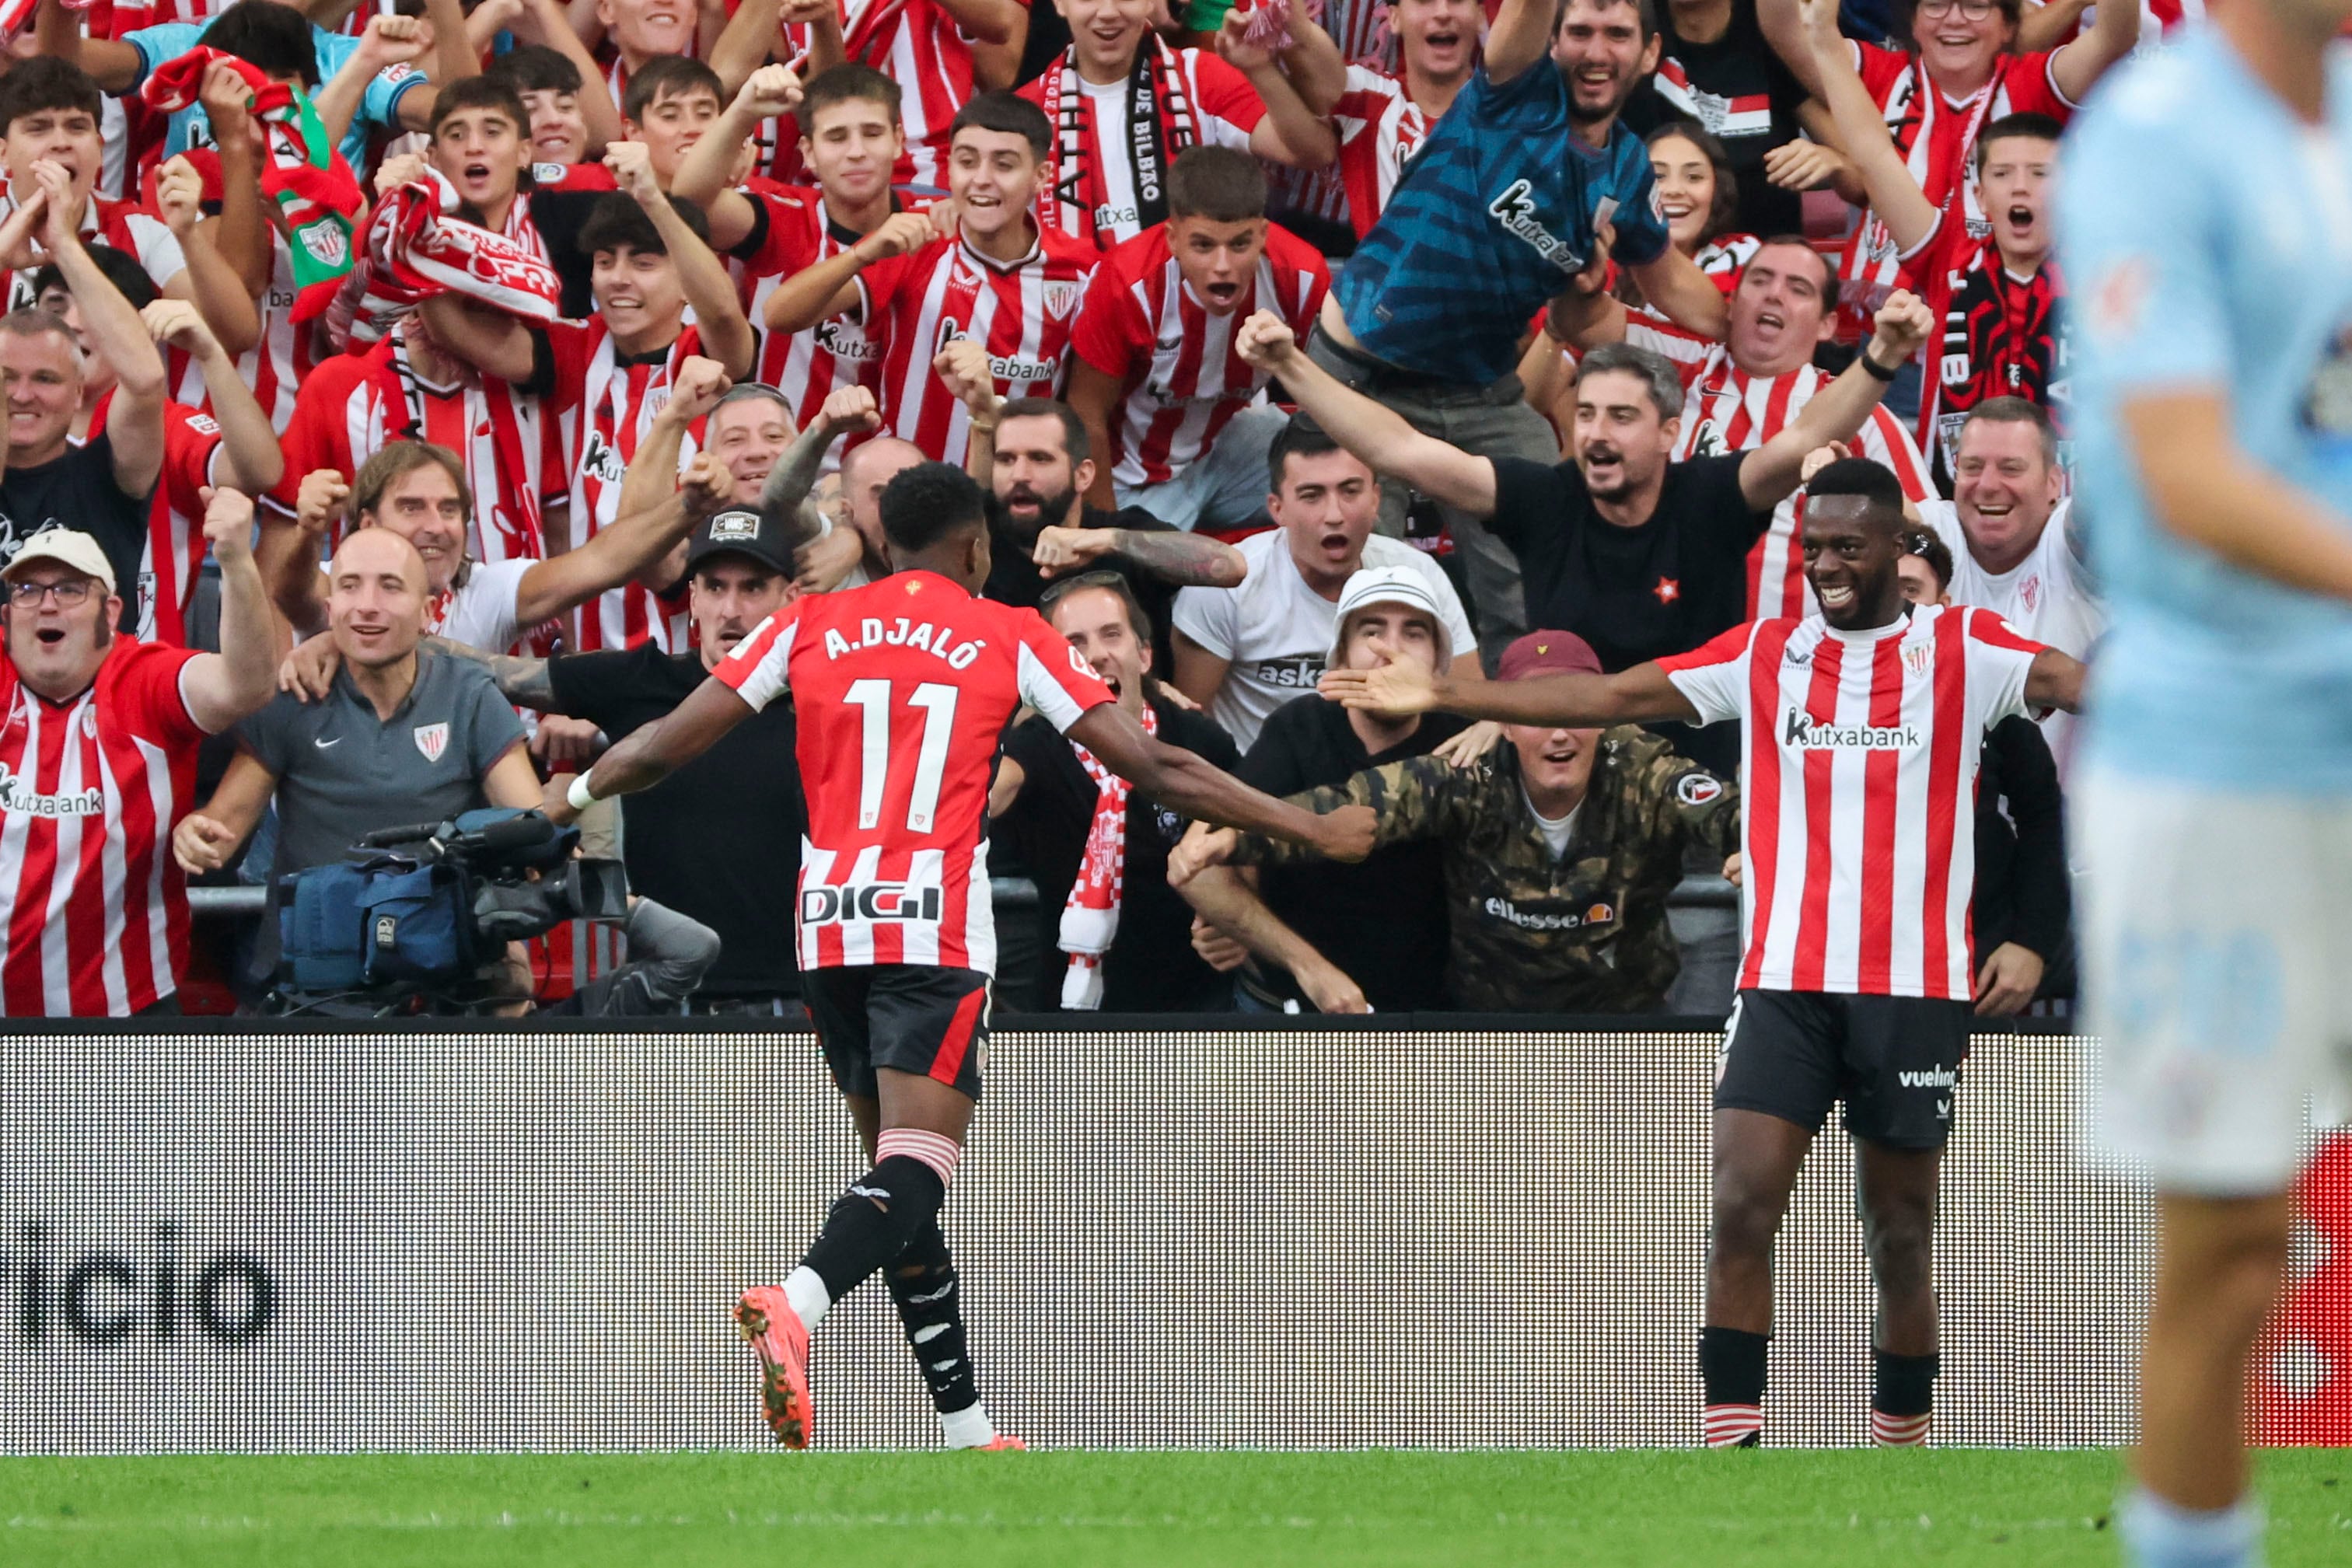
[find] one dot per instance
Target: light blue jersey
(2207, 237)
(378, 105)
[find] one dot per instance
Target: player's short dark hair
(616, 220)
(1138, 619)
(1302, 437)
(120, 267)
(46, 84)
(480, 92)
(272, 38)
(1725, 205)
(1934, 551)
(1074, 429)
(535, 67)
(2012, 127)
(394, 461)
(1007, 115)
(1873, 481)
(848, 82)
(665, 76)
(1657, 373)
(1217, 183)
(2015, 411)
(1829, 267)
(929, 502)
(1647, 10)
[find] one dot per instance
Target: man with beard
(1504, 204)
(1862, 730)
(1034, 457)
(1641, 556)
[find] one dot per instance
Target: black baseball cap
(739, 530)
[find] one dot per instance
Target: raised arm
(1673, 284)
(1772, 472)
(1182, 782)
(543, 22)
(222, 688)
(702, 174)
(2054, 680)
(830, 287)
(1376, 435)
(134, 424)
(388, 41)
(485, 337)
(2076, 68)
(289, 553)
(1291, 132)
(215, 285)
(1188, 561)
(1639, 696)
(251, 460)
(1094, 397)
(701, 276)
(1520, 38)
(1895, 195)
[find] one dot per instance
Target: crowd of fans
(405, 404)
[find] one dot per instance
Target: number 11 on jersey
(873, 698)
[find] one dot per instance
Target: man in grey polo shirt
(408, 735)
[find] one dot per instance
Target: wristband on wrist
(579, 795)
(1875, 371)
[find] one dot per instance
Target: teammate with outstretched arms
(1861, 728)
(903, 689)
(2205, 224)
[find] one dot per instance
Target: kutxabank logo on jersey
(1806, 733)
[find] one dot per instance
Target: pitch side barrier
(281, 1235)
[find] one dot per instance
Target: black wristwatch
(1871, 367)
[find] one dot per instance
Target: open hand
(1397, 686)
(1464, 750)
(309, 672)
(2006, 985)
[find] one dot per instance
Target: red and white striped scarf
(1090, 916)
(415, 248)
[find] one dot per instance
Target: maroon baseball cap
(1548, 654)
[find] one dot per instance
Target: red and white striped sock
(1732, 1426)
(1898, 1431)
(939, 1152)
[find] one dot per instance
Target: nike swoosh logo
(322, 744)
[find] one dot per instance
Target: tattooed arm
(1188, 561)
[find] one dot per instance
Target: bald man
(408, 734)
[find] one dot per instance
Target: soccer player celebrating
(1003, 281)
(2205, 226)
(903, 689)
(1862, 728)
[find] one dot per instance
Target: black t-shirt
(1014, 578)
(1151, 966)
(1637, 593)
(719, 838)
(1382, 921)
(77, 490)
(1743, 92)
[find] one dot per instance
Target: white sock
(808, 1296)
(969, 1428)
(2160, 1535)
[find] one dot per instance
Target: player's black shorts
(910, 1017)
(1895, 1061)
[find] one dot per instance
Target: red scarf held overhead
(301, 173)
(416, 247)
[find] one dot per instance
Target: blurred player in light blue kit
(2205, 220)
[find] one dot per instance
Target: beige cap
(67, 547)
(1390, 585)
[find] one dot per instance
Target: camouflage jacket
(1585, 933)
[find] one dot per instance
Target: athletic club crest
(1061, 299)
(1916, 657)
(432, 739)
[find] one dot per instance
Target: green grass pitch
(971, 1511)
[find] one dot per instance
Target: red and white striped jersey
(603, 404)
(1728, 410)
(904, 688)
(1379, 127)
(354, 405)
(93, 912)
(926, 51)
(280, 363)
(126, 225)
(174, 551)
(808, 366)
(1858, 760)
(913, 306)
(1142, 324)
(1936, 135)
